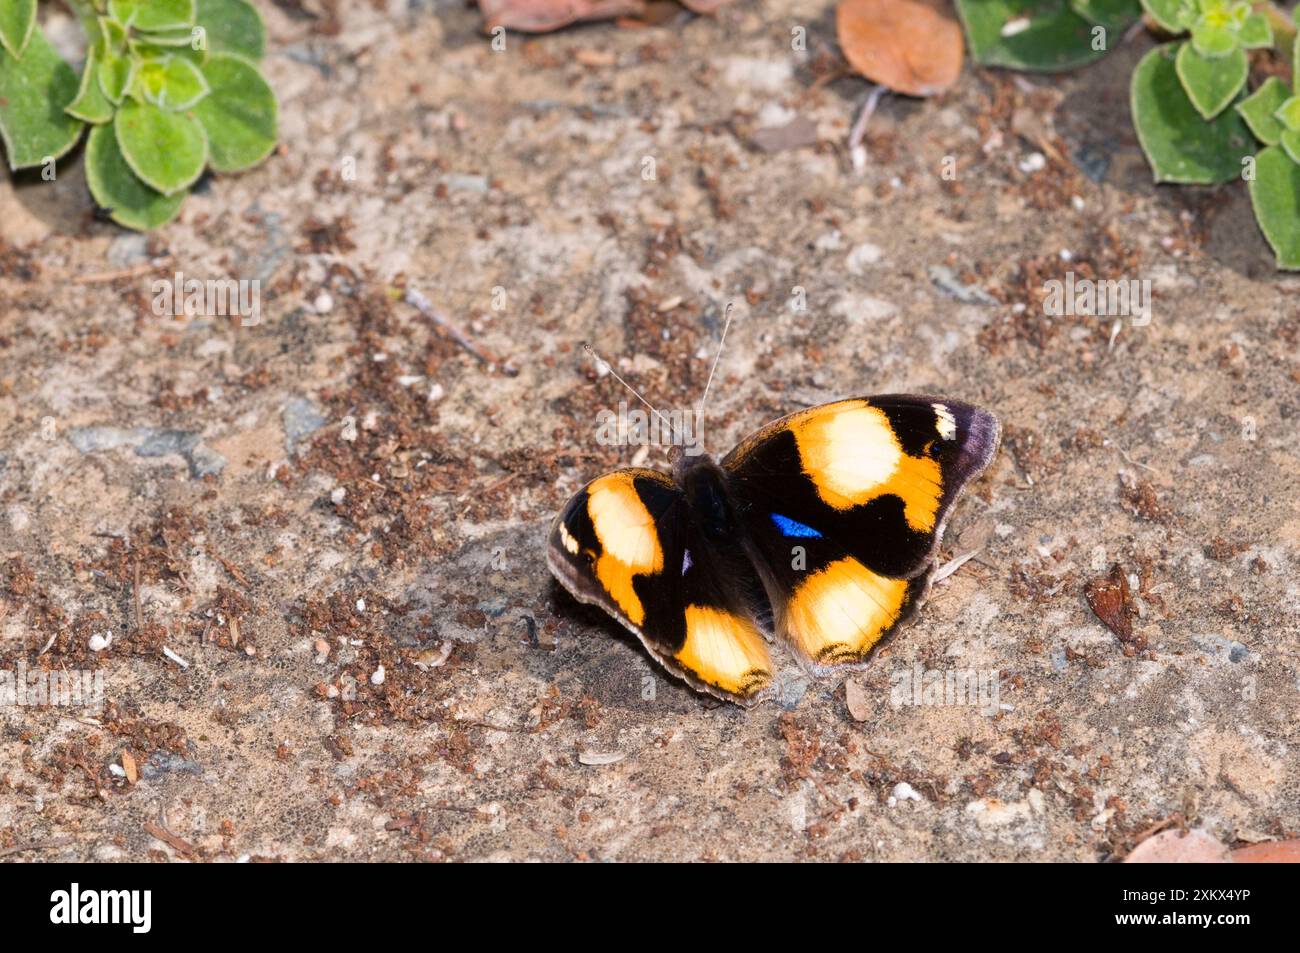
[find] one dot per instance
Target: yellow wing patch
(725, 650)
(851, 454)
(839, 613)
(629, 543)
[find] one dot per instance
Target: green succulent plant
(169, 88)
(1195, 118)
(1220, 28)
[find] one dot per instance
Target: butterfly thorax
(705, 486)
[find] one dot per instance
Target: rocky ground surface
(317, 540)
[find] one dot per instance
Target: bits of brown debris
(1111, 601)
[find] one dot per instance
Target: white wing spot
(946, 422)
(567, 539)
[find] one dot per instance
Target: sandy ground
(292, 505)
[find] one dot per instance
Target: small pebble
(100, 642)
(596, 758)
(377, 677)
(1034, 162)
(324, 303)
(905, 792)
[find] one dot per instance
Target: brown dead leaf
(905, 45)
(594, 58)
(1269, 852)
(857, 700)
(796, 134)
(542, 16)
(1180, 847)
(707, 7)
(1110, 599)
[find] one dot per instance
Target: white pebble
(1034, 162)
(377, 677)
(184, 664)
(361, 605)
(100, 642)
(436, 393)
(338, 495)
(905, 792)
(324, 303)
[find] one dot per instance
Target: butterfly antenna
(601, 362)
(699, 414)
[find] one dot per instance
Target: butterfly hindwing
(843, 508)
(628, 543)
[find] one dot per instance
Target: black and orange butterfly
(822, 529)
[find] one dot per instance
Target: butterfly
(821, 530)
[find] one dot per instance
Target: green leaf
(1212, 84)
(17, 20)
(1165, 13)
(1213, 41)
(1288, 114)
(143, 49)
(240, 114)
(1256, 33)
(1295, 57)
(153, 14)
(1179, 144)
(115, 187)
(1258, 110)
(166, 150)
(233, 26)
(91, 104)
(173, 83)
(113, 36)
(1114, 15)
(114, 77)
(1275, 195)
(183, 36)
(1027, 34)
(1291, 143)
(34, 92)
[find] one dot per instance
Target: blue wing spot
(789, 527)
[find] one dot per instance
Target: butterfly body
(819, 531)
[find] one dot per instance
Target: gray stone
(164, 762)
(205, 462)
(301, 418)
(946, 280)
(159, 443)
(126, 250)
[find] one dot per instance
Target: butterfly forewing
(843, 507)
(628, 543)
